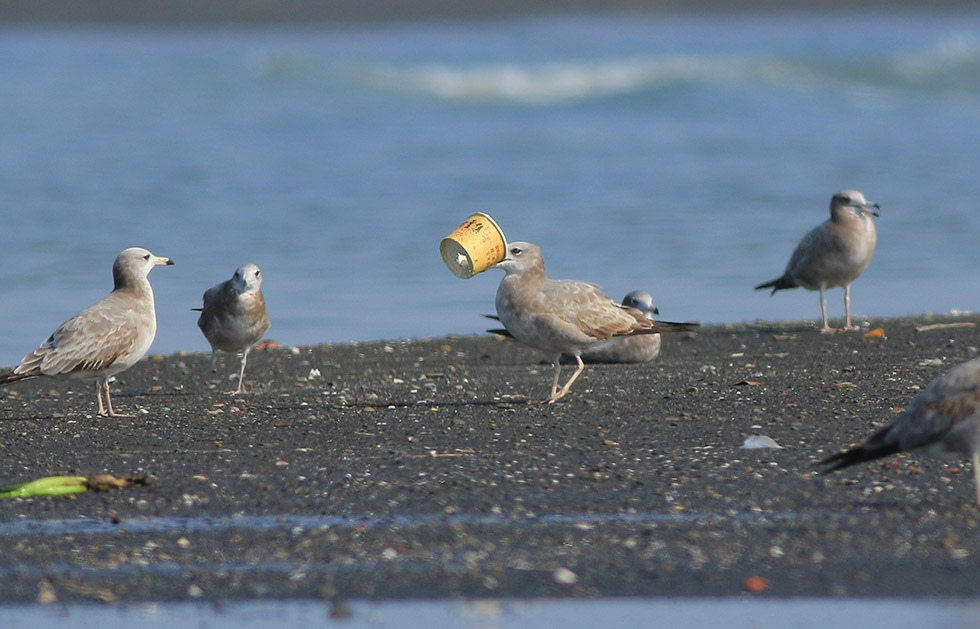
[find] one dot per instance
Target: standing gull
(639, 348)
(943, 422)
(563, 316)
(834, 253)
(234, 317)
(106, 338)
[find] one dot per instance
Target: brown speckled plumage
(105, 338)
(234, 316)
(563, 316)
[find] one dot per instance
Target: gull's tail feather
(498, 331)
(860, 454)
(780, 283)
(667, 327)
(12, 377)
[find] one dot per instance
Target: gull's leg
(823, 311)
(241, 375)
(108, 398)
(108, 401)
(556, 361)
(568, 385)
(847, 308)
(976, 473)
(98, 394)
(214, 367)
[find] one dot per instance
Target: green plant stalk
(49, 486)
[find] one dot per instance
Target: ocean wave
(955, 61)
(270, 63)
(953, 65)
(555, 82)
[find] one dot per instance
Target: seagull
(943, 422)
(106, 338)
(834, 253)
(563, 316)
(234, 317)
(640, 348)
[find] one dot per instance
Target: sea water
(744, 613)
(684, 155)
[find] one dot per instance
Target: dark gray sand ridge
(421, 469)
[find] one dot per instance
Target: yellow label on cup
(475, 246)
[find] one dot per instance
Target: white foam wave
(953, 64)
(555, 82)
(956, 56)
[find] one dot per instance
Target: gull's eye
(258, 273)
(146, 257)
(516, 251)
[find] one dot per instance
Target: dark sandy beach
(421, 469)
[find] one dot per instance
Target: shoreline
(425, 469)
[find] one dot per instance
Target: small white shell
(755, 442)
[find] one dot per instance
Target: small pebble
(564, 576)
(755, 584)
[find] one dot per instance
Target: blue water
(748, 613)
(682, 155)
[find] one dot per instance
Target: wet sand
(424, 469)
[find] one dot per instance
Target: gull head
(134, 264)
(247, 277)
(852, 200)
(642, 301)
(521, 257)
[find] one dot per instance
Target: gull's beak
(496, 265)
(871, 208)
(160, 261)
(655, 310)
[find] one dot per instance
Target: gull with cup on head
(563, 316)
